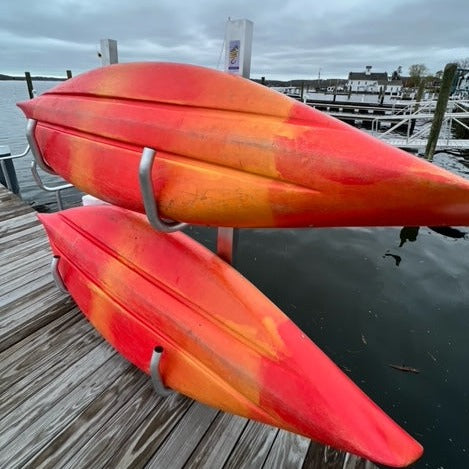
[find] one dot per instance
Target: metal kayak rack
(39, 161)
(8, 170)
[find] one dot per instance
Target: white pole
(108, 51)
(238, 47)
(108, 57)
(238, 50)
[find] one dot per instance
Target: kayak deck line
(98, 410)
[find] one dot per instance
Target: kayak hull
(232, 153)
(224, 343)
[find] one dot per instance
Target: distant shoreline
(37, 78)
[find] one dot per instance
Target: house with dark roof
(371, 82)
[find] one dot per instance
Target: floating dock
(67, 399)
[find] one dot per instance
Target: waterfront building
(373, 82)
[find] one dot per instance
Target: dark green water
(368, 301)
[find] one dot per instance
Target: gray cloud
(291, 38)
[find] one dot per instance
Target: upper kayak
(225, 344)
(230, 152)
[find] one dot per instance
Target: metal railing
(456, 112)
(9, 172)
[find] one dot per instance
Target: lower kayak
(225, 344)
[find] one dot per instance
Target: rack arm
(160, 388)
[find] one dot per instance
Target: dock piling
(440, 110)
(29, 83)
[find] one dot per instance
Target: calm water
(368, 298)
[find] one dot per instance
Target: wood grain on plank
(24, 276)
(182, 441)
(30, 317)
(118, 435)
(82, 429)
(154, 430)
(34, 374)
(218, 442)
(252, 448)
(73, 399)
(41, 401)
(288, 451)
(19, 266)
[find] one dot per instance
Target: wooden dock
(67, 399)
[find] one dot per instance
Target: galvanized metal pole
(440, 110)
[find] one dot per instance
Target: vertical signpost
(108, 52)
(238, 41)
(238, 47)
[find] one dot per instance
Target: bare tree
(418, 70)
(416, 73)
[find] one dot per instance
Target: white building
(369, 82)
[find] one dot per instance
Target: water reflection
(448, 231)
(408, 233)
(397, 258)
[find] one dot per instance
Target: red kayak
(225, 344)
(230, 152)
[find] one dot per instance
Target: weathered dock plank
(252, 448)
(20, 435)
(152, 432)
(288, 451)
(83, 428)
(48, 357)
(213, 451)
(184, 438)
(28, 313)
(122, 437)
(67, 399)
(70, 404)
(19, 223)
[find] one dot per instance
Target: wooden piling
(29, 83)
(69, 74)
(418, 98)
(440, 110)
(7, 171)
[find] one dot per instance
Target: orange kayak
(231, 152)
(225, 344)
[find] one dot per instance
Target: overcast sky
(292, 38)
